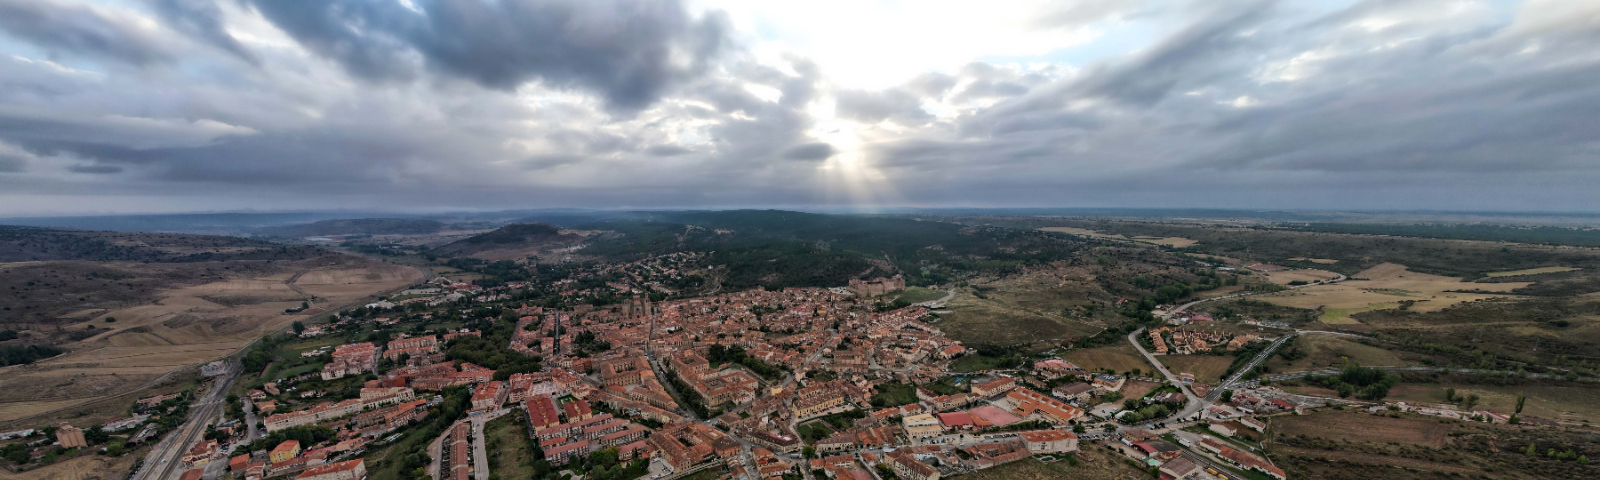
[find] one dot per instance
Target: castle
(876, 286)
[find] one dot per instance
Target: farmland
(84, 467)
(183, 326)
(1384, 286)
(1093, 463)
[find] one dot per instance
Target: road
(166, 458)
(1196, 403)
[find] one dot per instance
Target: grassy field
(1023, 310)
(1364, 427)
(919, 295)
(1383, 286)
(1118, 358)
(1323, 351)
(1206, 368)
(1283, 277)
(507, 441)
(1341, 316)
(1572, 403)
(1529, 271)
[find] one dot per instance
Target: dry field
(1570, 403)
(1530, 271)
(185, 326)
(1386, 283)
(1137, 388)
(1323, 351)
(1283, 277)
(85, 467)
(1119, 358)
(1363, 427)
(1020, 310)
(1206, 368)
(1177, 242)
(1324, 261)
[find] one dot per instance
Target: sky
(153, 106)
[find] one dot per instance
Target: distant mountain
(516, 240)
(356, 226)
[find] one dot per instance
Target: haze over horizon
(151, 106)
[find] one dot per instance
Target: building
(994, 387)
(489, 396)
(907, 467)
(1026, 402)
(921, 427)
(876, 286)
(351, 359)
(201, 453)
(70, 437)
(1049, 441)
(346, 470)
(1179, 468)
(284, 451)
(1077, 392)
(412, 347)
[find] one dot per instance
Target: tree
(1227, 395)
(1079, 428)
(299, 327)
(1520, 399)
(1450, 395)
(1470, 401)
(809, 452)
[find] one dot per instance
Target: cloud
(203, 20)
(809, 151)
(873, 107)
(629, 51)
(258, 104)
(96, 169)
(70, 27)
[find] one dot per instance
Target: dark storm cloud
(809, 151)
(202, 19)
(79, 29)
(630, 51)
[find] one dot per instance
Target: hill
(28, 244)
(356, 226)
(514, 241)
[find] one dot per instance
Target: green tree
(1520, 399)
(299, 327)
